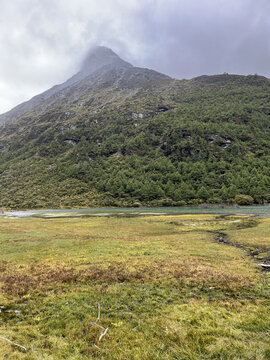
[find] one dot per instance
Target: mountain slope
(102, 68)
(116, 135)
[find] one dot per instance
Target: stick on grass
(101, 327)
(103, 334)
(13, 343)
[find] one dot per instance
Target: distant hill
(118, 135)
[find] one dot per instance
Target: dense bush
(243, 200)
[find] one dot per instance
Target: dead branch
(95, 324)
(138, 326)
(103, 334)
(98, 313)
(101, 327)
(13, 343)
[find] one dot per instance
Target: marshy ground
(166, 286)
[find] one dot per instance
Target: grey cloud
(43, 41)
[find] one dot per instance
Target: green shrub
(215, 200)
(180, 203)
(243, 200)
(194, 202)
(136, 204)
(166, 202)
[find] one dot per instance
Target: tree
(203, 194)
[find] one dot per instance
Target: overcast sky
(42, 42)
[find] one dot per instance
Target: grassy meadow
(162, 286)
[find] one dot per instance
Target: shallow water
(243, 210)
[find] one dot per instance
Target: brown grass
(21, 280)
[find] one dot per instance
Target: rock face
(101, 68)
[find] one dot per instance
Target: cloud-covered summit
(44, 42)
(98, 57)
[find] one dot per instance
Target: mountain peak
(101, 52)
(98, 57)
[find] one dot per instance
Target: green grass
(166, 288)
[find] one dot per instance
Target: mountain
(102, 68)
(119, 135)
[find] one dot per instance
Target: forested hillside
(125, 136)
